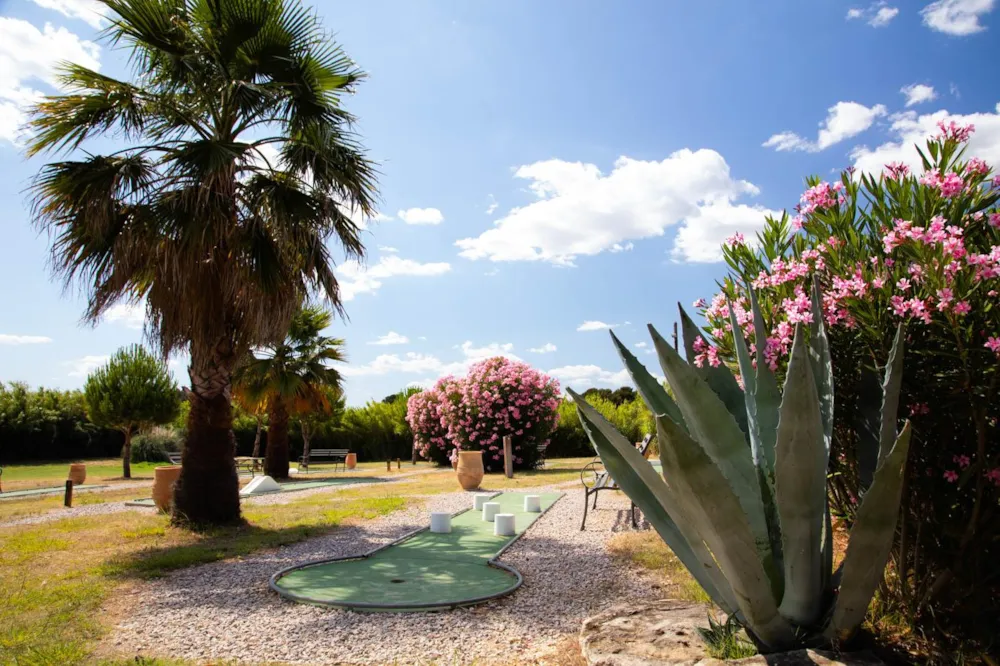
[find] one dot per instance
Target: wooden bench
(246, 463)
(338, 456)
(596, 478)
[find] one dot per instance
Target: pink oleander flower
(897, 170)
(918, 408)
(951, 476)
(994, 218)
(962, 308)
(977, 167)
(945, 297)
(994, 475)
(735, 239)
(955, 132)
(700, 303)
(902, 284)
(951, 185)
(993, 344)
(962, 460)
(818, 197)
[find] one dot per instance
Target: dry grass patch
(647, 550)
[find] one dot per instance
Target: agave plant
(742, 500)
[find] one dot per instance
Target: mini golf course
(287, 487)
(32, 492)
(422, 571)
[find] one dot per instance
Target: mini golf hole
(397, 580)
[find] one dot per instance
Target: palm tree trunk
(306, 436)
(207, 491)
(276, 456)
(256, 438)
(127, 454)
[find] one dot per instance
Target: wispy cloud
(591, 325)
(390, 338)
(7, 339)
(547, 348)
(421, 216)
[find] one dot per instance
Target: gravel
(225, 610)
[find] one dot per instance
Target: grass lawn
(56, 577)
(37, 475)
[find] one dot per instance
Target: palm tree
(291, 377)
(240, 165)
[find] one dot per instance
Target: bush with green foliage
(632, 418)
(132, 391)
(154, 444)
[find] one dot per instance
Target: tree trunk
(256, 438)
(306, 436)
(127, 454)
(276, 456)
(207, 492)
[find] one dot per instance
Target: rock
(665, 634)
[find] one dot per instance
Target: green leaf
(822, 365)
(652, 392)
(766, 395)
(870, 542)
(890, 395)
(720, 378)
(637, 478)
(868, 426)
(800, 487)
(707, 498)
(711, 424)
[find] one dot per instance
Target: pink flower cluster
(430, 430)
(954, 132)
(821, 196)
(498, 397)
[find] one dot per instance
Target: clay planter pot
(470, 469)
(77, 473)
(163, 486)
(352, 460)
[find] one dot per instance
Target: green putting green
(423, 571)
(290, 486)
(31, 492)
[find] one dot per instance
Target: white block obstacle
(490, 509)
(261, 484)
(440, 522)
(479, 500)
(503, 524)
(532, 504)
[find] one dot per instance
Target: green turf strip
(290, 486)
(425, 570)
(12, 494)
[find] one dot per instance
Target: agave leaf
(713, 427)
(800, 487)
(708, 499)
(868, 424)
(637, 478)
(870, 542)
(827, 548)
(652, 392)
(890, 395)
(767, 396)
(720, 378)
(822, 365)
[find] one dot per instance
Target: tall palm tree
(239, 165)
(291, 377)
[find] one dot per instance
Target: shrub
(568, 440)
(430, 432)
(154, 445)
(924, 249)
(498, 397)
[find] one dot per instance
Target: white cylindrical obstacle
(479, 500)
(440, 522)
(503, 524)
(490, 509)
(532, 504)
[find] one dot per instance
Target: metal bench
(175, 458)
(595, 479)
(245, 463)
(338, 456)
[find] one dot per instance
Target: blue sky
(547, 166)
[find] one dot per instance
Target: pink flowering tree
(430, 431)
(921, 248)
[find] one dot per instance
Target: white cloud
(387, 248)
(7, 339)
(390, 338)
(131, 315)
(918, 93)
(547, 348)
(581, 211)
(700, 241)
(88, 11)
(879, 14)
(843, 120)
(379, 217)
(423, 364)
(27, 56)
(492, 207)
(909, 129)
(854, 13)
(421, 216)
(357, 279)
(618, 247)
(82, 367)
(641, 345)
(956, 17)
(591, 325)
(574, 376)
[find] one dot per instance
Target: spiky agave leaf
(637, 478)
(890, 395)
(800, 487)
(822, 368)
(652, 393)
(766, 393)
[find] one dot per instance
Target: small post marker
(508, 457)
(388, 465)
(68, 497)
(398, 464)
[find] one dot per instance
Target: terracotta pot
(470, 469)
(77, 473)
(352, 460)
(163, 486)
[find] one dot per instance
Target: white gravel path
(77, 511)
(225, 610)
